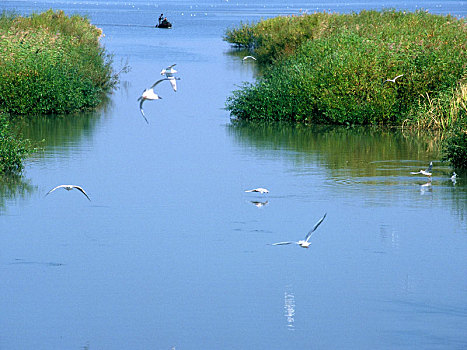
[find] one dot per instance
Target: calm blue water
(172, 252)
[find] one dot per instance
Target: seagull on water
(392, 80)
(305, 242)
(69, 188)
(259, 189)
(149, 94)
(426, 172)
(249, 57)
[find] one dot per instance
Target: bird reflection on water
(259, 204)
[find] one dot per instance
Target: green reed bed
(328, 69)
(13, 150)
(51, 63)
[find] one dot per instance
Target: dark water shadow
(51, 132)
(12, 188)
(50, 135)
(361, 150)
(358, 155)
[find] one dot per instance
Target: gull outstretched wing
(283, 243)
(141, 108)
(53, 189)
(82, 191)
(430, 167)
(307, 237)
(157, 82)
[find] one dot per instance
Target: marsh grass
(52, 63)
(13, 150)
(328, 68)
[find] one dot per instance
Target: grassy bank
(50, 63)
(13, 149)
(329, 68)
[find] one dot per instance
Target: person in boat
(160, 18)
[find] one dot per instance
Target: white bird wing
(53, 189)
(307, 237)
(173, 82)
(141, 108)
(157, 82)
(414, 173)
(283, 243)
(82, 191)
(398, 77)
(430, 167)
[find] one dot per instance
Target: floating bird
(249, 57)
(259, 189)
(426, 172)
(304, 243)
(259, 204)
(392, 80)
(69, 188)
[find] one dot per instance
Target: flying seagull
(248, 57)
(426, 172)
(392, 80)
(149, 94)
(69, 188)
(305, 242)
(169, 71)
(259, 189)
(169, 74)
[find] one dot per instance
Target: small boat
(164, 24)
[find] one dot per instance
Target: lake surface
(172, 252)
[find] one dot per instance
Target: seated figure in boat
(164, 23)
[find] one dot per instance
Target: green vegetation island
(328, 68)
(50, 63)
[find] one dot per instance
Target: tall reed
(52, 63)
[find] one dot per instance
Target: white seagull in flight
(305, 242)
(426, 172)
(249, 57)
(392, 80)
(169, 74)
(169, 71)
(149, 94)
(259, 189)
(69, 188)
